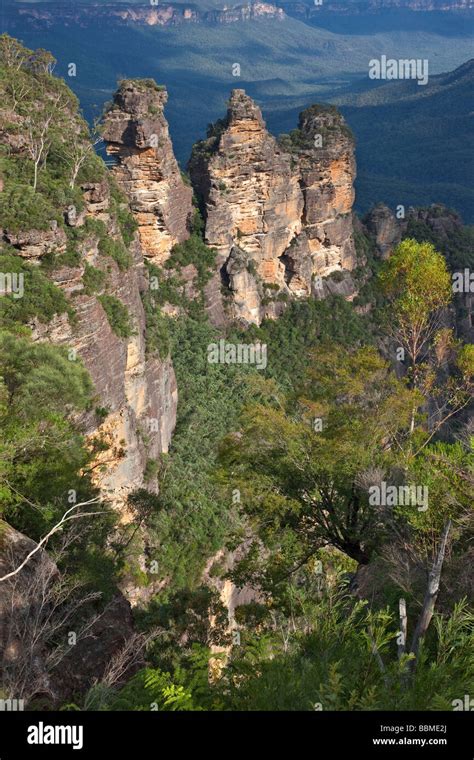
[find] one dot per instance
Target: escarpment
(88, 249)
(278, 213)
(135, 394)
(136, 134)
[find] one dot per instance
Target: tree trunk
(431, 592)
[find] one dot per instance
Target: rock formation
(135, 393)
(278, 213)
(387, 231)
(325, 153)
(136, 133)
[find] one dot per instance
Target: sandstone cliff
(278, 213)
(162, 14)
(136, 132)
(135, 394)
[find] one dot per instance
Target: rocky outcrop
(386, 230)
(34, 244)
(278, 213)
(251, 200)
(136, 133)
(324, 148)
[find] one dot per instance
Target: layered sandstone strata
(278, 213)
(136, 134)
(324, 149)
(138, 393)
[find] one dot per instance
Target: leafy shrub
(93, 279)
(116, 249)
(41, 297)
(157, 330)
(117, 314)
(23, 209)
(127, 223)
(193, 251)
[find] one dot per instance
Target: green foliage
(44, 457)
(120, 207)
(416, 278)
(457, 246)
(334, 668)
(142, 84)
(193, 521)
(41, 298)
(417, 283)
(157, 327)
(337, 654)
(23, 209)
(42, 451)
(93, 279)
(299, 483)
(193, 251)
(195, 515)
(303, 326)
(117, 314)
(151, 470)
(116, 250)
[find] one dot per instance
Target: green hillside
(415, 144)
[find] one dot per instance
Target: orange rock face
(136, 133)
(278, 213)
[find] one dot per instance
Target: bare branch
(64, 519)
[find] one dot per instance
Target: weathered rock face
(138, 393)
(278, 214)
(136, 132)
(325, 154)
(33, 244)
(141, 15)
(386, 229)
(252, 202)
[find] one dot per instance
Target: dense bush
(117, 251)
(117, 314)
(41, 298)
(93, 279)
(23, 209)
